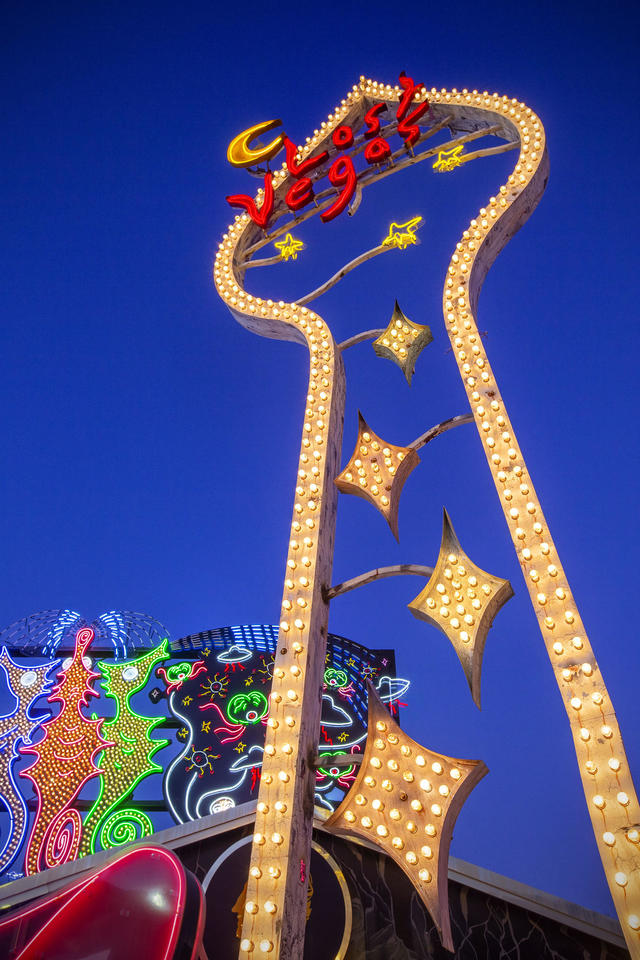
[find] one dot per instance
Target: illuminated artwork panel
(98, 752)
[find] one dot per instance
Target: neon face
(333, 772)
(247, 708)
(178, 673)
(336, 678)
(328, 770)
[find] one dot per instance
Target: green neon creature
(338, 680)
(124, 765)
(243, 710)
(247, 708)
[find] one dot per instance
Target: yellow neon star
(240, 747)
(449, 159)
(289, 247)
(402, 234)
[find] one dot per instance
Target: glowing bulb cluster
(461, 600)
(394, 805)
(377, 472)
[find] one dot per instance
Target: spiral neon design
(120, 828)
(63, 838)
(85, 635)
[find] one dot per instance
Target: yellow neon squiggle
(401, 235)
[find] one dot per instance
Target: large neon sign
(468, 116)
(307, 167)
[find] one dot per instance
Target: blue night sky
(150, 443)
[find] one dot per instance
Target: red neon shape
(305, 166)
(342, 137)
(342, 173)
(407, 125)
(261, 216)
(372, 120)
(142, 897)
(235, 730)
(377, 151)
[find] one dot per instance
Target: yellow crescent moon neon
(239, 152)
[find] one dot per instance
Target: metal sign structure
(375, 131)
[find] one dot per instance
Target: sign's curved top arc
(468, 112)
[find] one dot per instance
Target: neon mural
(104, 774)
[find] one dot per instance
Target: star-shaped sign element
(289, 247)
(377, 472)
(403, 341)
(405, 799)
(401, 235)
(461, 600)
(240, 747)
(449, 159)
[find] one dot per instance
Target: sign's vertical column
(275, 907)
(604, 770)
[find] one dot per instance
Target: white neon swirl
(348, 721)
(177, 759)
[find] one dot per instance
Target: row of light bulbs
(282, 730)
(521, 507)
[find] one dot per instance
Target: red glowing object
(377, 151)
(261, 216)
(142, 904)
(342, 137)
(299, 194)
(372, 120)
(305, 166)
(342, 173)
(407, 122)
